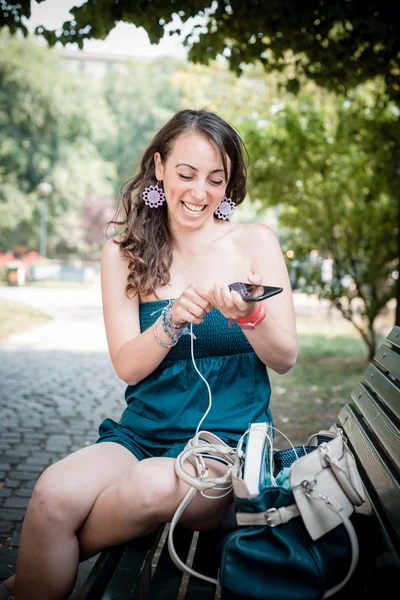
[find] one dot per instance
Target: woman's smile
(193, 210)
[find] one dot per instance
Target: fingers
(254, 278)
(230, 304)
(196, 301)
(192, 305)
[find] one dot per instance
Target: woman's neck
(197, 241)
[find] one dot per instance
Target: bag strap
(211, 446)
(354, 548)
(345, 483)
(171, 548)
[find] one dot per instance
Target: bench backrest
(371, 423)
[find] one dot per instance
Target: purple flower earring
(153, 195)
(226, 209)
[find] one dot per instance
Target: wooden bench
(143, 569)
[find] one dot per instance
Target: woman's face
(193, 179)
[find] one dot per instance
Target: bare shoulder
(114, 265)
(112, 246)
(112, 250)
(254, 235)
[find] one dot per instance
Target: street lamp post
(44, 190)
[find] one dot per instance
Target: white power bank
(255, 448)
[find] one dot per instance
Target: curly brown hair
(146, 240)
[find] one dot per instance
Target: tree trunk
(370, 340)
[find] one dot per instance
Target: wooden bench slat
(385, 430)
(381, 482)
(389, 360)
(394, 336)
(132, 578)
(206, 561)
(384, 387)
(167, 578)
(101, 574)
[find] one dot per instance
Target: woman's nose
(199, 191)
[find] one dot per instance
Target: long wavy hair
(146, 239)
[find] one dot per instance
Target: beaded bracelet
(174, 338)
(176, 329)
(158, 339)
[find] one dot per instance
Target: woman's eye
(185, 177)
(217, 182)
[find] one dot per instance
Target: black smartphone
(254, 293)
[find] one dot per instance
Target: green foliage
(51, 126)
(78, 133)
(141, 98)
(331, 166)
(337, 44)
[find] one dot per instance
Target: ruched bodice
(167, 405)
(213, 338)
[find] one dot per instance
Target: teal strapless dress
(164, 409)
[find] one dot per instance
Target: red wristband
(251, 320)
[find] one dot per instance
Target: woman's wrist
(172, 341)
(175, 326)
(172, 331)
(252, 320)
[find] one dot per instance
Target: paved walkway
(56, 385)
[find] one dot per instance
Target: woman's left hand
(230, 303)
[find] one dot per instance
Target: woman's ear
(158, 166)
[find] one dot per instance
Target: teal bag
(281, 563)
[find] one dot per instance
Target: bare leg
(48, 556)
(142, 499)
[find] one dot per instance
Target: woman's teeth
(192, 209)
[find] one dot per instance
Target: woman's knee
(151, 490)
(55, 498)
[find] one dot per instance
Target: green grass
(16, 318)
(310, 396)
(332, 358)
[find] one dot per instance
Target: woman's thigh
(69, 487)
(154, 485)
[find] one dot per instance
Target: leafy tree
(338, 44)
(96, 213)
(50, 130)
(141, 98)
(325, 163)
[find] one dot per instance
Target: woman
(168, 271)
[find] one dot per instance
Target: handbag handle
(346, 484)
(354, 548)
(171, 548)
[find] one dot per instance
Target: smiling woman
(166, 290)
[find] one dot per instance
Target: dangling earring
(226, 209)
(153, 195)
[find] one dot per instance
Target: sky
(125, 39)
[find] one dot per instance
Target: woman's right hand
(191, 306)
